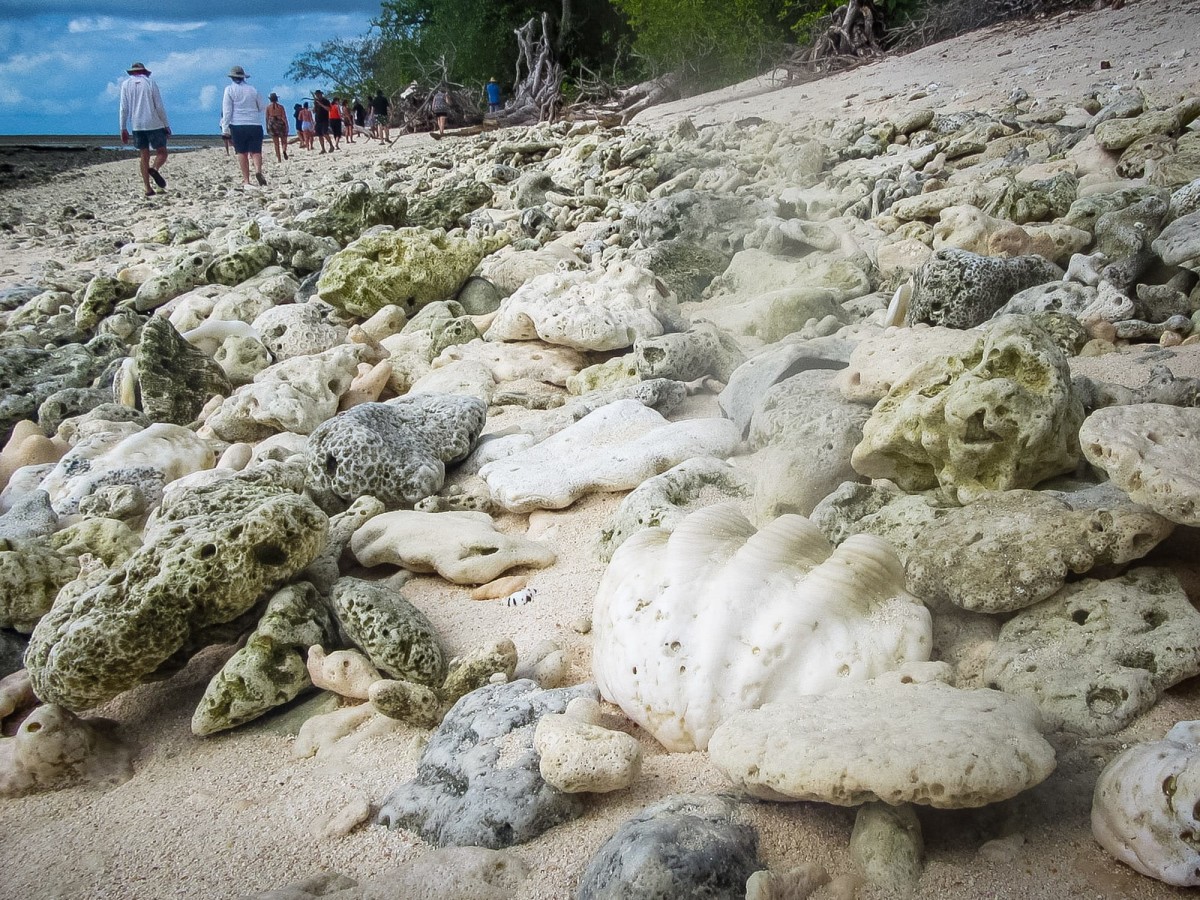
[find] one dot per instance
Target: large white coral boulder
(1145, 808)
(714, 618)
(601, 309)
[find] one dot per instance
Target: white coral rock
(462, 547)
(1146, 805)
(615, 448)
(605, 309)
(715, 618)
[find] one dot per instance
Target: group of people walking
(243, 113)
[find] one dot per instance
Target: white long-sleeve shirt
(242, 105)
(141, 105)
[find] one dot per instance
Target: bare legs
(160, 159)
(244, 162)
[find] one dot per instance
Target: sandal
(149, 193)
(158, 179)
(262, 179)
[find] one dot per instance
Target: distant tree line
(466, 42)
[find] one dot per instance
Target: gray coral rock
(1099, 653)
(1006, 551)
(683, 846)
(394, 634)
(961, 289)
(396, 452)
(754, 378)
(29, 376)
(175, 379)
(664, 500)
(298, 329)
(478, 782)
(212, 554)
(702, 350)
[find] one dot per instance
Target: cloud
(208, 97)
(10, 96)
(169, 27)
(87, 25)
(22, 65)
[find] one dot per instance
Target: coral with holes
(408, 267)
(1099, 653)
(212, 554)
(478, 782)
(1146, 808)
(1005, 551)
(1002, 414)
(396, 636)
(715, 617)
(53, 749)
(396, 452)
(604, 309)
(298, 329)
(175, 379)
(962, 289)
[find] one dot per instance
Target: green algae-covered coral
(1001, 415)
(408, 267)
(393, 633)
(212, 554)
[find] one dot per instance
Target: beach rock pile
(907, 411)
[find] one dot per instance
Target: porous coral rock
(702, 350)
(396, 452)
(1000, 415)
(962, 289)
(260, 676)
(126, 454)
(477, 782)
(394, 634)
(53, 749)
(462, 547)
(354, 208)
(605, 309)
(879, 361)
(1099, 653)
(665, 500)
(1145, 803)
(683, 846)
(1003, 552)
(347, 673)
(615, 448)
(577, 756)
(175, 379)
(295, 395)
(1179, 242)
(917, 742)
(1149, 450)
(408, 267)
(298, 329)
(776, 613)
(213, 552)
(31, 574)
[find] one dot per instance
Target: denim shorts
(246, 138)
(154, 139)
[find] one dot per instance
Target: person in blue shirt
(493, 95)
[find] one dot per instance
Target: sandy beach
(238, 814)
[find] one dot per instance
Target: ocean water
(69, 142)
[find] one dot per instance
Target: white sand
(236, 813)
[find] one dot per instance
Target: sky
(62, 61)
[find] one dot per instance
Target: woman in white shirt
(242, 114)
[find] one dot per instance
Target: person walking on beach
(242, 111)
(321, 107)
(304, 120)
(441, 109)
(142, 112)
(360, 116)
(493, 95)
(277, 126)
(335, 122)
(379, 108)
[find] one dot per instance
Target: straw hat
(138, 69)
(273, 96)
(238, 72)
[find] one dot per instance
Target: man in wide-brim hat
(143, 114)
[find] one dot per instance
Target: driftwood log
(539, 77)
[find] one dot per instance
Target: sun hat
(491, 81)
(272, 96)
(238, 72)
(138, 69)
